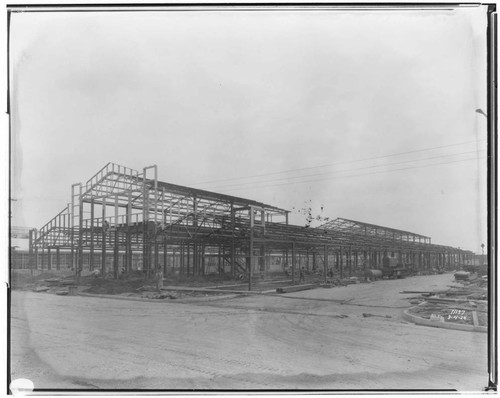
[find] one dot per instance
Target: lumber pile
(296, 288)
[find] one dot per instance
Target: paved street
(302, 340)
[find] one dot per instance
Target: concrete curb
(145, 299)
(437, 324)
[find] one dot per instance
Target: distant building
(19, 238)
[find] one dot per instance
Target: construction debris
(462, 275)
(460, 304)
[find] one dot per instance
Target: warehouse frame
(121, 211)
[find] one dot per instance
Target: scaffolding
(121, 212)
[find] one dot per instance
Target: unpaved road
(301, 340)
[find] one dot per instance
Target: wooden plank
(289, 289)
(444, 300)
(474, 318)
(423, 291)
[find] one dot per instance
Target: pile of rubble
(465, 303)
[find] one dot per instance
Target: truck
(391, 268)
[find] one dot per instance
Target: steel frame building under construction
(125, 212)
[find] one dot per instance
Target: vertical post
(157, 259)
(91, 259)
(49, 259)
(263, 221)
(202, 255)
(325, 262)
(128, 238)
(145, 221)
(233, 259)
(145, 265)
(307, 259)
(165, 255)
(103, 242)
(341, 263)
(116, 242)
(31, 259)
(149, 247)
(314, 260)
(36, 250)
(293, 263)
(250, 265)
(156, 196)
(58, 259)
(72, 225)
(219, 261)
(233, 265)
(195, 245)
(349, 261)
(262, 260)
(188, 258)
(181, 259)
(195, 266)
(174, 258)
(42, 257)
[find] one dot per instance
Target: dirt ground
(350, 337)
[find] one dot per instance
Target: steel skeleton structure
(123, 211)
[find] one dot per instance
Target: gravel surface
(317, 339)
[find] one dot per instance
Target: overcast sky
(368, 114)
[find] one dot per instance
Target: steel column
(128, 237)
(156, 264)
(58, 259)
(91, 259)
(116, 242)
(49, 259)
(165, 255)
(349, 255)
(250, 266)
(325, 262)
(341, 263)
(103, 243)
(31, 254)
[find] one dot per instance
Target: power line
(348, 170)
(358, 175)
(337, 163)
